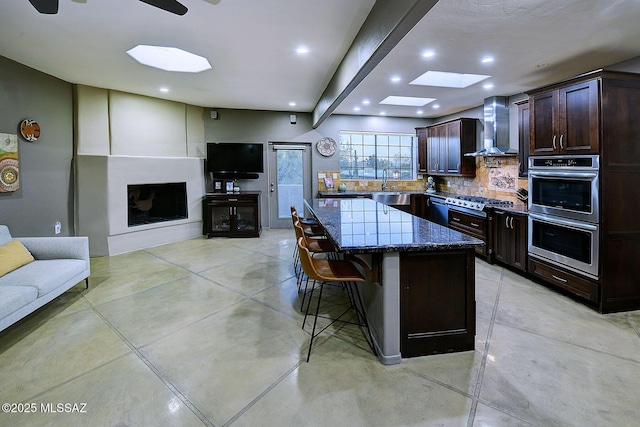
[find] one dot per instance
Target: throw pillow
(12, 256)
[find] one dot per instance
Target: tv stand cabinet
(232, 214)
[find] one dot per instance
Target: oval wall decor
(327, 146)
(30, 130)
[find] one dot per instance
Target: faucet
(385, 177)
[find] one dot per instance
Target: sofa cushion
(44, 275)
(5, 236)
(13, 255)
(15, 297)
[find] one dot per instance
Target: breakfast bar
(420, 298)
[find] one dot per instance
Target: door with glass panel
(289, 181)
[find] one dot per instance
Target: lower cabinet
(232, 214)
(564, 279)
(437, 309)
(510, 239)
(474, 226)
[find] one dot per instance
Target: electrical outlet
(58, 227)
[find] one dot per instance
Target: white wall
(127, 139)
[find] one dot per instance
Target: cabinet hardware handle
(561, 136)
(456, 219)
(511, 223)
(554, 142)
(506, 222)
(233, 200)
(560, 279)
(474, 224)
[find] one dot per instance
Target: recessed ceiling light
(410, 101)
(366, 102)
(446, 79)
(302, 50)
(164, 89)
(356, 108)
(169, 59)
(382, 113)
(292, 104)
(488, 86)
(420, 112)
(428, 54)
(487, 59)
(395, 79)
(435, 106)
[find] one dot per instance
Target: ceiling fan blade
(50, 7)
(172, 6)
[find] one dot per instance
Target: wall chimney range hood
(496, 128)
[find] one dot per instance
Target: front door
(289, 181)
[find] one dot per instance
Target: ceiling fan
(50, 7)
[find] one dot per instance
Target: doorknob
(272, 187)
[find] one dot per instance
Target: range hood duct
(496, 128)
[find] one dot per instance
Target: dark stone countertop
(365, 226)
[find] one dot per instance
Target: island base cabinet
(437, 302)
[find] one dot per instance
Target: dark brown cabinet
(445, 146)
(598, 113)
(510, 238)
(474, 226)
(523, 138)
(577, 285)
(437, 310)
(232, 214)
(436, 150)
(565, 120)
(421, 133)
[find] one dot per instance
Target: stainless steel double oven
(564, 212)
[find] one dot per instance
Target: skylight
(169, 59)
(446, 79)
(410, 101)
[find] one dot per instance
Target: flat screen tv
(238, 160)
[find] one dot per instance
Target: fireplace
(152, 203)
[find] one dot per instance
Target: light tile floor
(207, 332)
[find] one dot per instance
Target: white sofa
(60, 263)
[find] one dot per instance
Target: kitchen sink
(393, 198)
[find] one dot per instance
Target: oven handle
(566, 222)
(570, 175)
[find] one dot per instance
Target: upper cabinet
(565, 119)
(523, 138)
(441, 148)
(421, 133)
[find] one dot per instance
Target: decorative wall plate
(30, 130)
(327, 146)
(9, 175)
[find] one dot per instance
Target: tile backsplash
(370, 184)
(496, 177)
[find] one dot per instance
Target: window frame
(346, 171)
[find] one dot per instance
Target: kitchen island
(420, 299)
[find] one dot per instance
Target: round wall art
(30, 130)
(327, 146)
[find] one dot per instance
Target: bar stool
(315, 246)
(312, 228)
(326, 271)
(305, 221)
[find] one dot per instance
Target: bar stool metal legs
(325, 272)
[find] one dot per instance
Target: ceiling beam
(387, 23)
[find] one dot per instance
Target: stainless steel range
(475, 205)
